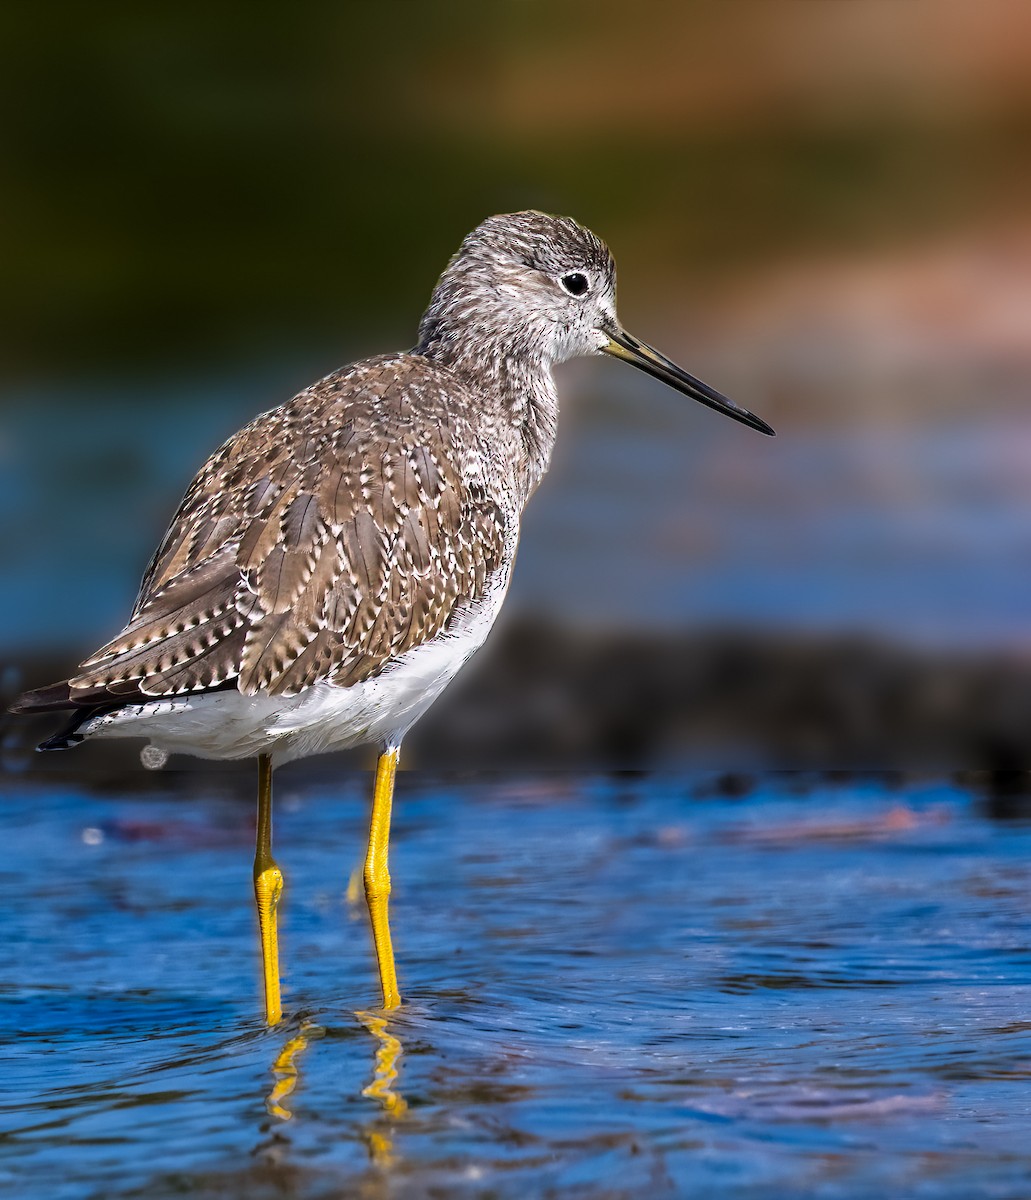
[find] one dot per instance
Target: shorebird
(334, 563)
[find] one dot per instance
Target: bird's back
(320, 543)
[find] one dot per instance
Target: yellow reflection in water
(381, 1138)
(286, 1071)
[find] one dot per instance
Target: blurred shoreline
(543, 696)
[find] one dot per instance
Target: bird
(335, 563)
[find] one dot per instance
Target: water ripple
(609, 990)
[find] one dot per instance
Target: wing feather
(321, 542)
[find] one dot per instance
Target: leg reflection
(286, 1072)
(380, 1137)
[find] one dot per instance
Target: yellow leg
(377, 876)
(268, 887)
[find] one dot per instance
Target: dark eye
(575, 284)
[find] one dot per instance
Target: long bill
(638, 354)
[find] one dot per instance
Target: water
(614, 987)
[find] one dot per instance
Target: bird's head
(543, 289)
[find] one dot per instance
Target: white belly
(322, 718)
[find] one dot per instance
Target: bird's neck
(515, 385)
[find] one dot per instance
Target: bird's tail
(55, 698)
(47, 699)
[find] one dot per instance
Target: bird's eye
(575, 284)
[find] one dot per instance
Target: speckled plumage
(375, 514)
(321, 542)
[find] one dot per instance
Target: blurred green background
(821, 208)
(186, 179)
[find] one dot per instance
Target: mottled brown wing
(322, 541)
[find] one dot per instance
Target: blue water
(613, 987)
(656, 514)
